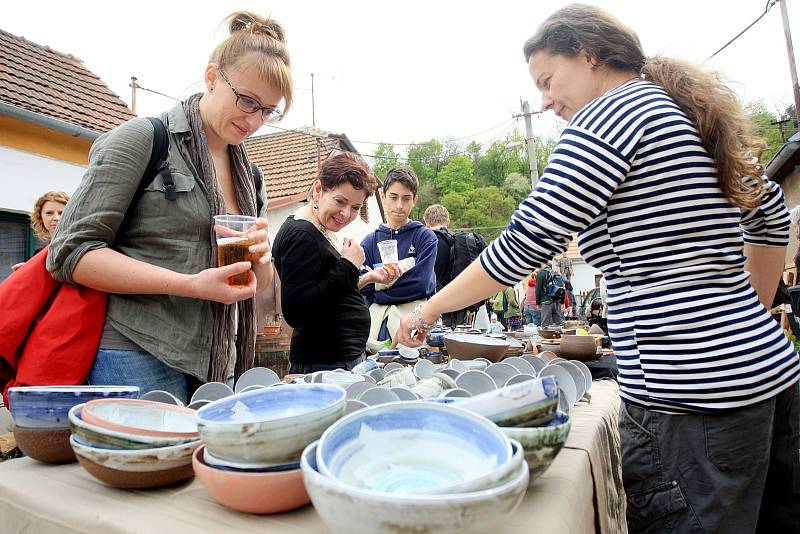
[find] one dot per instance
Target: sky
(397, 72)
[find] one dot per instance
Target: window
(16, 241)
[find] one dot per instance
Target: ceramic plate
(522, 365)
(501, 372)
(476, 382)
(565, 383)
(260, 376)
(212, 391)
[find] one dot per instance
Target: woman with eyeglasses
(173, 320)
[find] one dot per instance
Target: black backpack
(158, 165)
(465, 247)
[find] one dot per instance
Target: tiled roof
(290, 161)
(39, 79)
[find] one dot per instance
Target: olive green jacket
(172, 234)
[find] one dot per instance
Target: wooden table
(580, 493)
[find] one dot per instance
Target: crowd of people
(655, 172)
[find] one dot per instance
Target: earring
(316, 206)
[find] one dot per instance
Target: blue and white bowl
(49, 406)
(271, 425)
(345, 509)
(542, 443)
(415, 447)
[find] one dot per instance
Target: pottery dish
(141, 417)
(542, 443)
(48, 406)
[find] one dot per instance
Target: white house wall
(24, 177)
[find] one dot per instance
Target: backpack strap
(157, 164)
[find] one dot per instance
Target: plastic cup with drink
(388, 251)
(233, 245)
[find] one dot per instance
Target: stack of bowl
(41, 420)
(134, 443)
(414, 467)
(253, 442)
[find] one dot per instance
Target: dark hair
(724, 127)
(404, 175)
(347, 167)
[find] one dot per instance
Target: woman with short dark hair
(319, 271)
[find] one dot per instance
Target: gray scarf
(225, 315)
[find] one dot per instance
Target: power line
(770, 4)
(156, 92)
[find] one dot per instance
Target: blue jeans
(136, 368)
(532, 315)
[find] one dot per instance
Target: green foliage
(457, 176)
(385, 159)
(426, 159)
(486, 209)
(517, 186)
(765, 126)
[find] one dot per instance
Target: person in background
(513, 311)
(499, 306)
(494, 325)
(319, 271)
(570, 304)
(531, 309)
(565, 266)
(45, 215)
(173, 320)
(416, 251)
(436, 217)
(551, 308)
(669, 201)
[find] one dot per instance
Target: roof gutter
(782, 157)
(50, 123)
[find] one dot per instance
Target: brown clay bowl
(579, 348)
(471, 346)
(252, 492)
(575, 324)
(548, 333)
(48, 445)
(555, 348)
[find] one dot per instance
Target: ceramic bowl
(100, 437)
(549, 333)
(48, 445)
(257, 376)
(144, 468)
(417, 447)
(211, 391)
(534, 362)
(345, 510)
(270, 425)
(529, 403)
(452, 373)
(218, 463)
(378, 395)
(476, 382)
(253, 493)
(470, 347)
(579, 348)
(48, 406)
(522, 365)
(158, 395)
(587, 374)
(501, 372)
(542, 443)
(356, 389)
(565, 383)
(577, 376)
(141, 417)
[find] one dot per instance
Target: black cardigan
(319, 296)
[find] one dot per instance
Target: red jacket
(49, 331)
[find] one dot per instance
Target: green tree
(426, 195)
(457, 176)
(425, 158)
(474, 150)
(487, 209)
(765, 126)
(517, 185)
(385, 159)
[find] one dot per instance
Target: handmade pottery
(522, 365)
(542, 443)
(501, 372)
(579, 348)
(526, 404)
(345, 510)
(157, 395)
(141, 417)
(49, 406)
(565, 383)
(254, 493)
(415, 447)
(356, 389)
(378, 395)
(470, 347)
(259, 376)
(48, 445)
(105, 438)
(271, 425)
(212, 391)
(516, 379)
(476, 382)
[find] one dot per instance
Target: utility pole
(133, 87)
(313, 116)
(792, 65)
(526, 114)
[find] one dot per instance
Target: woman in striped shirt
(655, 172)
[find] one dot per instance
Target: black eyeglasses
(250, 105)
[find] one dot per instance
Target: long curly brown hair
(37, 223)
(725, 129)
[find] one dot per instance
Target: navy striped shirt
(630, 175)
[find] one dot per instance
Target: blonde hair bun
(244, 21)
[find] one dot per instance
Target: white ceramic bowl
(415, 447)
(139, 460)
(346, 510)
(524, 404)
(271, 425)
(100, 437)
